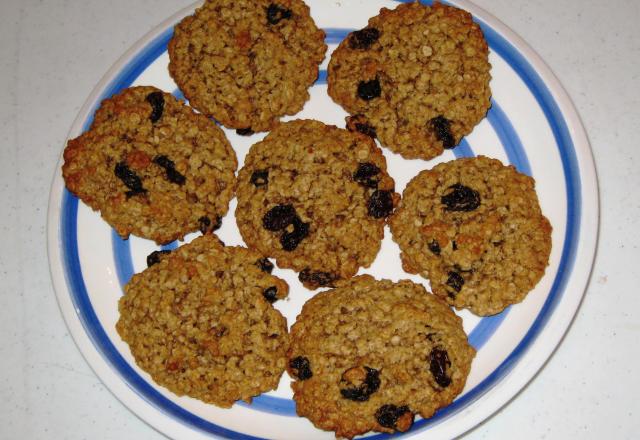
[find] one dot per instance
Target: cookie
(201, 323)
(417, 77)
(370, 355)
(474, 228)
(152, 166)
(247, 62)
(315, 198)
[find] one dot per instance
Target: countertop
(52, 53)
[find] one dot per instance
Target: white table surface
(53, 52)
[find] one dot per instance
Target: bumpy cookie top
(474, 228)
(247, 62)
(152, 166)
(416, 76)
(371, 354)
(315, 197)
(201, 323)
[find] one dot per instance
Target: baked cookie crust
(417, 76)
(475, 229)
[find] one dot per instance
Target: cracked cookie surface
(417, 77)
(247, 62)
(315, 198)
(475, 229)
(152, 166)
(371, 354)
(201, 323)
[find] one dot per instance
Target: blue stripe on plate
(105, 347)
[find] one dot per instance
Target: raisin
(361, 392)
(358, 123)
(169, 166)
(366, 129)
(302, 366)
(461, 198)
(316, 278)
(442, 128)
(438, 364)
(217, 224)
(380, 204)
(455, 281)
(154, 257)
(245, 131)
(156, 99)
(260, 178)
(364, 38)
(434, 247)
(369, 90)
(204, 223)
(277, 13)
(265, 265)
(365, 173)
(270, 294)
(387, 415)
(279, 217)
(454, 245)
(291, 240)
(130, 179)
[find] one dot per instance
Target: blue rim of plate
(479, 335)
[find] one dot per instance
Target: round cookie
(152, 166)
(315, 198)
(417, 77)
(474, 228)
(371, 354)
(247, 62)
(201, 323)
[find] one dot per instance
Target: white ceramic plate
(532, 125)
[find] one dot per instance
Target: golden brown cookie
(246, 63)
(152, 166)
(315, 198)
(370, 355)
(474, 228)
(417, 77)
(201, 323)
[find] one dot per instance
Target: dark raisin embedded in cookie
(434, 247)
(302, 367)
(455, 281)
(369, 90)
(130, 179)
(365, 175)
(265, 265)
(154, 257)
(291, 240)
(271, 294)
(461, 198)
(169, 166)
(359, 123)
(393, 417)
(276, 13)
(364, 38)
(438, 364)
(442, 128)
(358, 383)
(260, 178)
(317, 279)
(205, 226)
(244, 131)
(279, 217)
(380, 204)
(156, 99)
